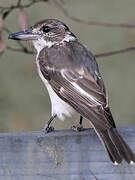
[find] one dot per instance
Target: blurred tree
(23, 24)
(14, 92)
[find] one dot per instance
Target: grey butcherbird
(74, 83)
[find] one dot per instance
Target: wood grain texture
(61, 155)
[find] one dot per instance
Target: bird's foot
(48, 129)
(77, 128)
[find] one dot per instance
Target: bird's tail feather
(116, 146)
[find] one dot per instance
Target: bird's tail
(116, 146)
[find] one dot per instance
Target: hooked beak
(24, 35)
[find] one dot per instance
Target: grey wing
(73, 73)
(85, 92)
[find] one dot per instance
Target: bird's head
(45, 33)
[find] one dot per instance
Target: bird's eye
(45, 29)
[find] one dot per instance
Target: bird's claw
(77, 128)
(48, 129)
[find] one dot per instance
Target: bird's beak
(24, 35)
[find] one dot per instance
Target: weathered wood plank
(61, 155)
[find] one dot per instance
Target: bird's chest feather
(59, 107)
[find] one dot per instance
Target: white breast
(59, 107)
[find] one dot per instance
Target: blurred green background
(24, 101)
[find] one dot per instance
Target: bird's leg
(47, 127)
(81, 119)
(79, 126)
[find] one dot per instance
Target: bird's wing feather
(83, 93)
(80, 86)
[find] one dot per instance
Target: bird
(71, 75)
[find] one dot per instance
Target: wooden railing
(61, 155)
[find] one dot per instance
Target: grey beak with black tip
(23, 35)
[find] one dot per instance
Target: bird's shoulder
(72, 62)
(69, 55)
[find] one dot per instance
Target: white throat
(41, 43)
